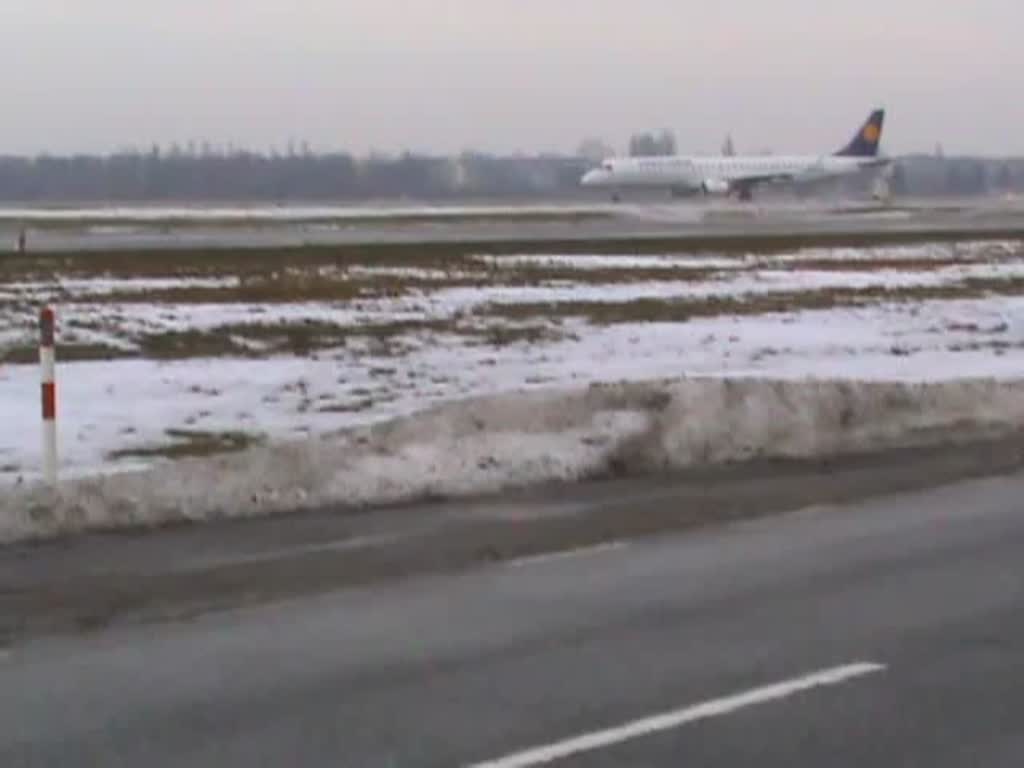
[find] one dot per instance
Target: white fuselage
(722, 174)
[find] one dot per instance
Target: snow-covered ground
(513, 440)
(89, 316)
(109, 407)
(120, 404)
(970, 251)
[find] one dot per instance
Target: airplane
(726, 175)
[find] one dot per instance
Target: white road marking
(566, 554)
(676, 718)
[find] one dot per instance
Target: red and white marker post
(47, 364)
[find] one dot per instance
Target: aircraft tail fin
(865, 143)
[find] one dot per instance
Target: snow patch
(488, 444)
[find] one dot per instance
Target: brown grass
(185, 443)
(24, 353)
(497, 325)
(354, 406)
(240, 261)
(268, 276)
(684, 309)
(260, 340)
(874, 265)
(276, 288)
(303, 339)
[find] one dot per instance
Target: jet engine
(716, 187)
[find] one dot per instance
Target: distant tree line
(239, 176)
(939, 175)
(652, 145)
(247, 176)
(945, 175)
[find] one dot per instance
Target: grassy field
(214, 350)
(189, 443)
(305, 300)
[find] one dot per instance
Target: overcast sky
(505, 75)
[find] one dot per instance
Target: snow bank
(492, 443)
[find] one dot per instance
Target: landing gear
(881, 187)
(616, 197)
(744, 194)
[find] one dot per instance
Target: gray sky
(446, 75)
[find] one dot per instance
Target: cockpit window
(606, 167)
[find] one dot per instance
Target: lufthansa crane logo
(870, 133)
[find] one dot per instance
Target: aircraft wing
(745, 184)
(765, 179)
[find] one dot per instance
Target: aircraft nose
(592, 178)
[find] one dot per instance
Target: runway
(682, 223)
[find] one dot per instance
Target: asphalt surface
(627, 223)
(884, 632)
(100, 580)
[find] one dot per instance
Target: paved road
(101, 580)
(888, 632)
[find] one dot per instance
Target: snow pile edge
(488, 444)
